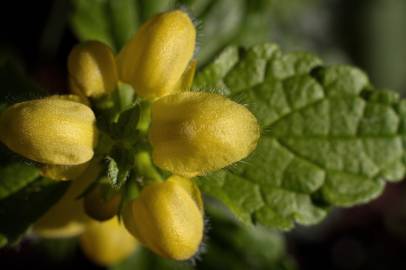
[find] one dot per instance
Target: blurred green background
(371, 34)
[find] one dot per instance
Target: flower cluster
(190, 134)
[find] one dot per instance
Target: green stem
(145, 168)
(145, 118)
(132, 190)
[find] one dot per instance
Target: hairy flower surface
(154, 60)
(193, 133)
(167, 218)
(92, 69)
(107, 242)
(51, 131)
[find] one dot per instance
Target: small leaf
(126, 127)
(112, 170)
(23, 208)
(119, 166)
(14, 176)
(329, 138)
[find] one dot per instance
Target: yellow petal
(186, 81)
(154, 60)
(107, 243)
(167, 219)
(92, 69)
(51, 131)
(63, 172)
(193, 133)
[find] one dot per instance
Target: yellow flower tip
(154, 60)
(92, 69)
(63, 172)
(167, 218)
(67, 218)
(50, 131)
(193, 133)
(107, 243)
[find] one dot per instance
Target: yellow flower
(154, 60)
(51, 131)
(193, 133)
(67, 218)
(92, 69)
(107, 243)
(167, 218)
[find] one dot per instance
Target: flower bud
(67, 218)
(154, 60)
(107, 243)
(51, 131)
(92, 69)
(167, 218)
(193, 133)
(102, 202)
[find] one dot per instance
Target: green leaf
(23, 208)
(14, 176)
(149, 8)
(111, 22)
(328, 137)
(126, 126)
(220, 22)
